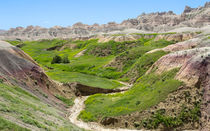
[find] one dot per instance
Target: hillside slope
(28, 97)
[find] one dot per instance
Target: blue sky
(48, 13)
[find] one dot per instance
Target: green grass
(149, 91)
(6, 125)
(85, 79)
(21, 105)
(84, 65)
(68, 102)
(142, 65)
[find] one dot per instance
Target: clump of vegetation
(57, 59)
(149, 90)
(65, 60)
(186, 115)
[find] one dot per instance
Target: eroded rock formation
(153, 22)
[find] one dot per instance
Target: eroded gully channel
(79, 106)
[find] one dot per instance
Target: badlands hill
(153, 22)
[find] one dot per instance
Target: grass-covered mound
(148, 91)
(19, 106)
(86, 79)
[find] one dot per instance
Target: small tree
(56, 59)
(65, 59)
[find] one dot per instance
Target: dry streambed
(79, 106)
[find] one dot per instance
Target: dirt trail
(80, 53)
(79, 106)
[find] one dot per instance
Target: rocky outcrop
(154, 22)
(132, 37)
(118, 38)
(189, 44)
(176, 37)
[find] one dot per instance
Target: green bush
(56, 59)
(65, 59)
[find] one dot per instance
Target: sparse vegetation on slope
(18, 105)
(186, 115)
(6, 125)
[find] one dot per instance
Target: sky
(48, 13)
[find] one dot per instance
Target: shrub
(56, 59)
(65, 59)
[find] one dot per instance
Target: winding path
(79, 106)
